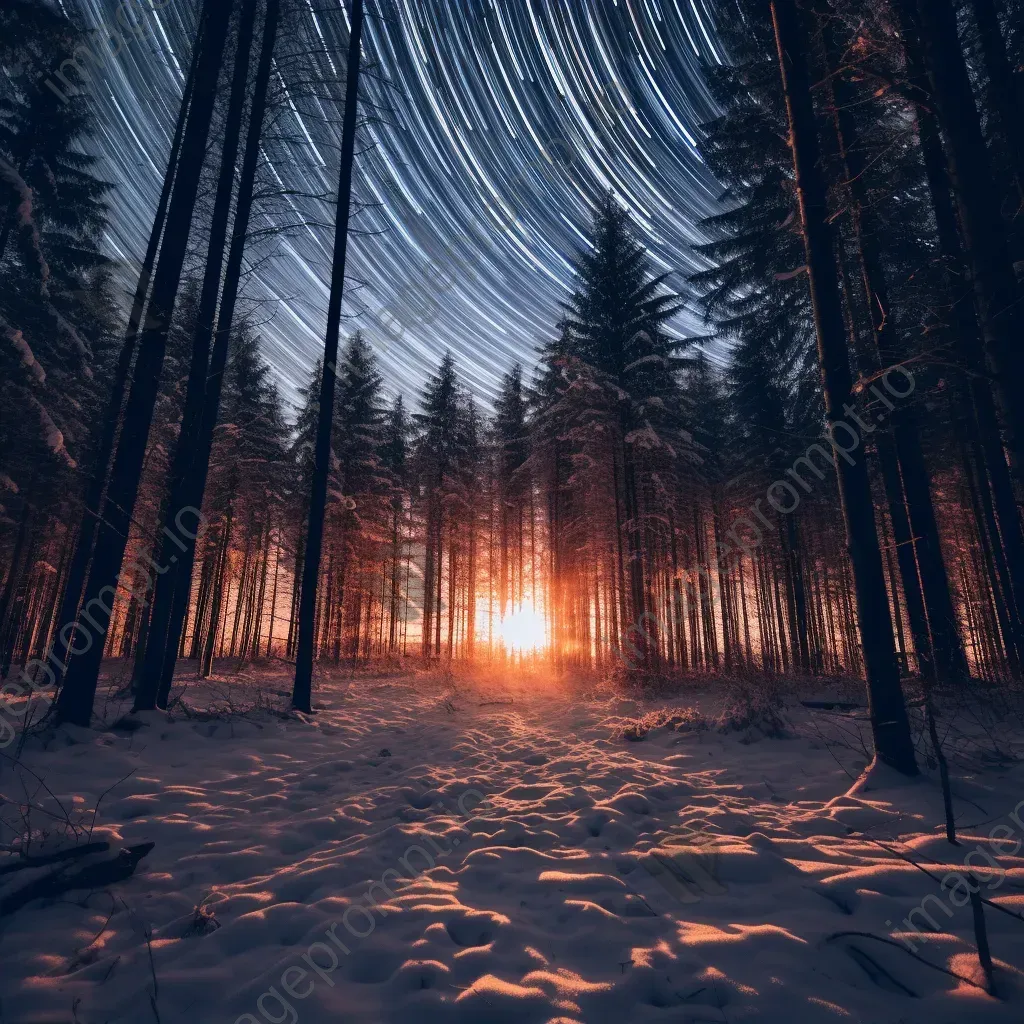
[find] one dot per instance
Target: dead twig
(99, 800)
(909, 952)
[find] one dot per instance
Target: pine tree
(79, 560)
(931, 26)
(55, 304)
(198, 440)
(57, 317)
(357, 522)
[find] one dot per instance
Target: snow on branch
(645, 437)
(69, 332)
(10, 175)
(28, 359)
(52, 435)
(647, 360)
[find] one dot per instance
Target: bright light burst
(524, 631)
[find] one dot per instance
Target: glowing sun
(524, 631)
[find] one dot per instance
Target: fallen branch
(89, 876)
(54, 858)
(831, 705)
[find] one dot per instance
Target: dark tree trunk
(942, 649)
(219, 583)
(14, 574)
(997, 570)
(792, 553)
(163, 645)
(903, 542)
(890, 726)
(193, 485)
(439, 579)
(452, 578)
(202, 605)
(243, 583)
(79, 565)
(293, 613)
(1006, 98)
(260, 595)
(302, 693)
(471, 588)
(18, 608)
(396, 557)
(273, 598)
(76, 698)
(42, 642)
(428, 578)
(969, 349)
(144, 621)
(931, 24)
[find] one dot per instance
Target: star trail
(490, 128)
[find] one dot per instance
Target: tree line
(838, 495)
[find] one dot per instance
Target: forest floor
(509, 851)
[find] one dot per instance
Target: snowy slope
(311, 843)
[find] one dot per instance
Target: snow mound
(506, 864)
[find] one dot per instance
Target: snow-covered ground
(477, 854)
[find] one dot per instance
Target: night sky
(493, 125)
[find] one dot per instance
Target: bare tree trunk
(243, 580)
(1005, 94)
(396, 557)
(75, 701)
(471, 587)
(293, 614)
(969, 347)
(273, 599)
(428, 577)
(14, 574)
(302, 692)
(202, 605)
(220, 582)
(451, 589)
(889, 723)
(164, 646)
(942, 652)
(112, 416)
(439, 550)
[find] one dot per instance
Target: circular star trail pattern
(490, 129)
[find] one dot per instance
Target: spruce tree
(615, 327)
